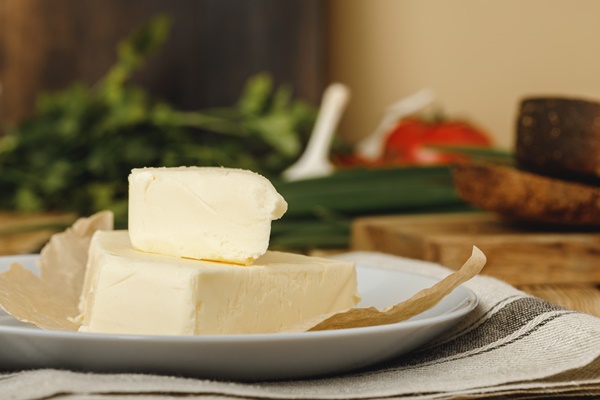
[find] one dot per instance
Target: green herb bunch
(76, 151)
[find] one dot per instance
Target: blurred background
(85, 95)
(479, 58)
(212, 48)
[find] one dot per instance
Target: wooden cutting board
(517, 254)
(561, 267)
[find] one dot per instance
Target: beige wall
(480, 57)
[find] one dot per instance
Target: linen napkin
(511, 346)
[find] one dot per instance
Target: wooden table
(22, 234)
(562, 267)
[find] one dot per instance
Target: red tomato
(407, 142)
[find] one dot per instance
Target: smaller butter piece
(207, 213)
(133, 292)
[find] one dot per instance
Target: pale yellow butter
(128, 291)
(204, 213)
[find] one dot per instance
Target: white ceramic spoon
(314, 162)
(372, 146)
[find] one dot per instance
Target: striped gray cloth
(513, 346)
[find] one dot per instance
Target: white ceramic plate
(240, 357)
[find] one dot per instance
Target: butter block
(207, 213)
(132, 292)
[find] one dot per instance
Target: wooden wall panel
(214, 46)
